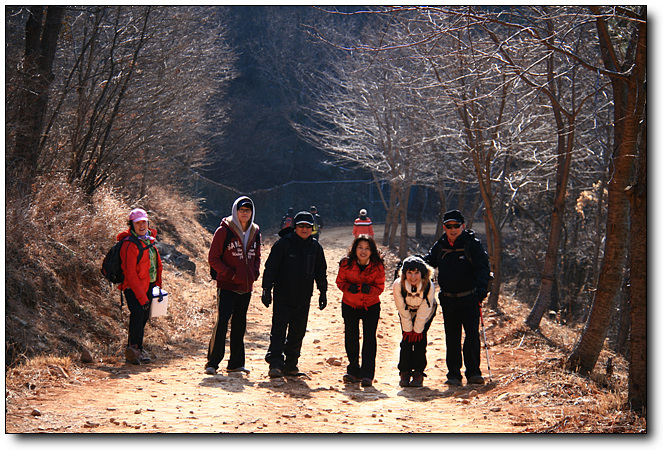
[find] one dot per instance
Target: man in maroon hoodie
(235, 257)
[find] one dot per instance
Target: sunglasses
(304, 225)
(455, 225)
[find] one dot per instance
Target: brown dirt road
(173, 395)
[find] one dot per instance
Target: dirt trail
(173, 395)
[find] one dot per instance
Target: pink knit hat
(137, 215)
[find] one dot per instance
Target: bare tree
(622, 34)
(133, 96)
(42, 31)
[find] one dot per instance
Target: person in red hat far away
(295, 261)
(363, 225)
(142, 271)
(463, 276)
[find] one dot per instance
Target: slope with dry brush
(58, 308)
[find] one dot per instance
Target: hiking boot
(349, 378)
(366, 382)
(476, 379)
(209, 370)
(240, 369)
(275, 372)
(417, 379)
(132, 354)
(292, 372)
(454, 382)
(143, 357)
(405, 379)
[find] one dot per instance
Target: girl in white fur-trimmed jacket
(414, 294)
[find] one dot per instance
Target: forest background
(532, 120)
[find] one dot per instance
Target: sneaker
(209, 370)
(454, 382)
(240, 369)
(366, 382)
(417, 379)
(349, 378)
(405, 379)
(144, 359)
(476, 379)
(275, 373)
(132, 355)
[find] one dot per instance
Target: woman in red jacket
(361, 277)
(142, 271)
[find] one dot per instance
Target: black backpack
(111, 267)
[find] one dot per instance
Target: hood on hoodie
(233, 220)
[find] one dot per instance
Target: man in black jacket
(294, 262)
(463, 275)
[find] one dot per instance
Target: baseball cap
(137, 215)
(454, 215)
(304, 217)
(246, 202)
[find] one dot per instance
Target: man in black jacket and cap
(294, 262)
(463, 275)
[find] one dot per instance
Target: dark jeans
(232, 307)
(138, 317)
(369, 318)
(462, 314)
(413, 354)
(287, 335)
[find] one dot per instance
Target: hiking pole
(485, 343)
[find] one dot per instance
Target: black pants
(232, 308)
(462, 314)
(138, 317)
(413, 354)
(287, 335)
(369, 318)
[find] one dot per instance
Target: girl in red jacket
(140, 276)
(361, 277)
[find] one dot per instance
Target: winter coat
(362, 225)
(137, 273)
(236, 259)
(373, 275)
(462, 267)
(414, 310)
(292, 266)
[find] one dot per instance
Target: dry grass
(57, 301)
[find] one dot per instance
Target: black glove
(322, 302)
(353, 288)
(481, 294)
(146, 306)
(266, 297)
(365, 288)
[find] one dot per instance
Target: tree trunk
(630, 95)
(637, 194)
(40, 46)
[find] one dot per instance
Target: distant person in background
(361, 279)
(414, 294)
(295, 261)
(288, 220)
(363, 225)
(317, 223)
(234, 256)
(140, 276)
(463, 276)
